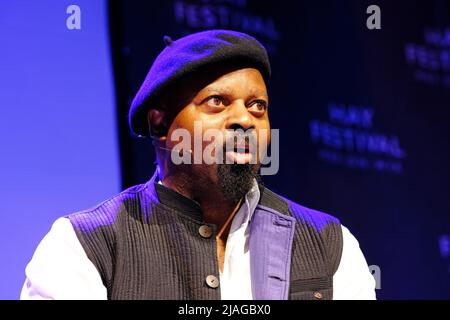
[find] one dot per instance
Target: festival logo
(226, 14)
(348, 138)
(430, 60)
(444, 246)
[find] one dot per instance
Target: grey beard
(236, 179)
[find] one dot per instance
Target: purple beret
(191, 54)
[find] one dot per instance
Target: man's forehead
(230, 90)
(217, 79)
(225, 82)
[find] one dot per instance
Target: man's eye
(258, 106)
(261, 105)
(215, 101)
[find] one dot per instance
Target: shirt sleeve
(353, 279)
(60, 268)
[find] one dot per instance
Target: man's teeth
(241, 150)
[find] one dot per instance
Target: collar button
(205, 231)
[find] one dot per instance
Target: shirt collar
(180, 203)
(252, 199)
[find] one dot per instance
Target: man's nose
(239, 117)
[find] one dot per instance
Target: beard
(236, 180)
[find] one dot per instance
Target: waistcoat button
(212, 281)
(205, 231)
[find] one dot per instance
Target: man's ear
(157, 123)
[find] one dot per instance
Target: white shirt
(60, 268)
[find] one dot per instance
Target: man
(201, 230)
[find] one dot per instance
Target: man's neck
(216, 209)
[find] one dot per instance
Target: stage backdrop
(58, 137)
(363, 116)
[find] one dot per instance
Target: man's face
(232, 100)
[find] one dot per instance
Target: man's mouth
(240, 153)
(242, 148)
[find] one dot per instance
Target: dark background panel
(323, 57)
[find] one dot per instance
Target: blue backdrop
(57, 124)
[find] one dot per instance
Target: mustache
(245, 140)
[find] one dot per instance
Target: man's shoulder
(315, 230)
(106, 212)
(300, 212)
(306, 213)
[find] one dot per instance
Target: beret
(190, 54)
